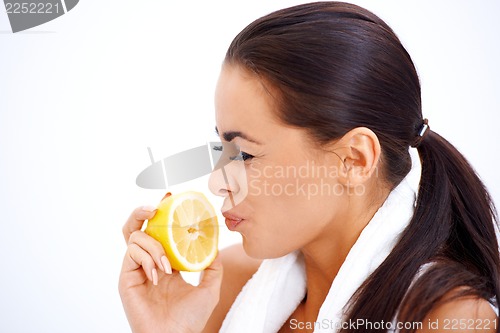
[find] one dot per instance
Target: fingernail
(166, 265)
(148, 208)
(155, 277)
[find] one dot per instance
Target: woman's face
(281, 191)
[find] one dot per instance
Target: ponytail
(452, 194)
(454, 224)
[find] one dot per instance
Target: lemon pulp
(186, 225)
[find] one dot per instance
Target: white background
(83, 96)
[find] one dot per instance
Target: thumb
(211, 277)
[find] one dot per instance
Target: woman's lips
(232, 221)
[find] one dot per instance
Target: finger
(211, 277)
(153, 248)
(136, 258)
(136, 220)
(167, 267)
(166, 196)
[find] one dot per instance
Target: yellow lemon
(186, 225)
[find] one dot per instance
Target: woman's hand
(156, 299)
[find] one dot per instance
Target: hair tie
(421, 134)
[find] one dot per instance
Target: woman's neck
(325, 255)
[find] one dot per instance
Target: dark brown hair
(336, 67)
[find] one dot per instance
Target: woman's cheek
(255, 179)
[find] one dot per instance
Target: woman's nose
(221, 183)
(229, 181)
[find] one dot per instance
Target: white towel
(277, 288)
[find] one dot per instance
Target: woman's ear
(359, 152)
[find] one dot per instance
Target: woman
(351, 245)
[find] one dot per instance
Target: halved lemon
(186, 225)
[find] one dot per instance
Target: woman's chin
(261, 250)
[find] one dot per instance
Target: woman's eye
(242, 156)
(245, 156)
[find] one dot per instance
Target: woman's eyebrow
(230, 135)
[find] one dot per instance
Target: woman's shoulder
(462, 314)
(459, 309)
(238, 269)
